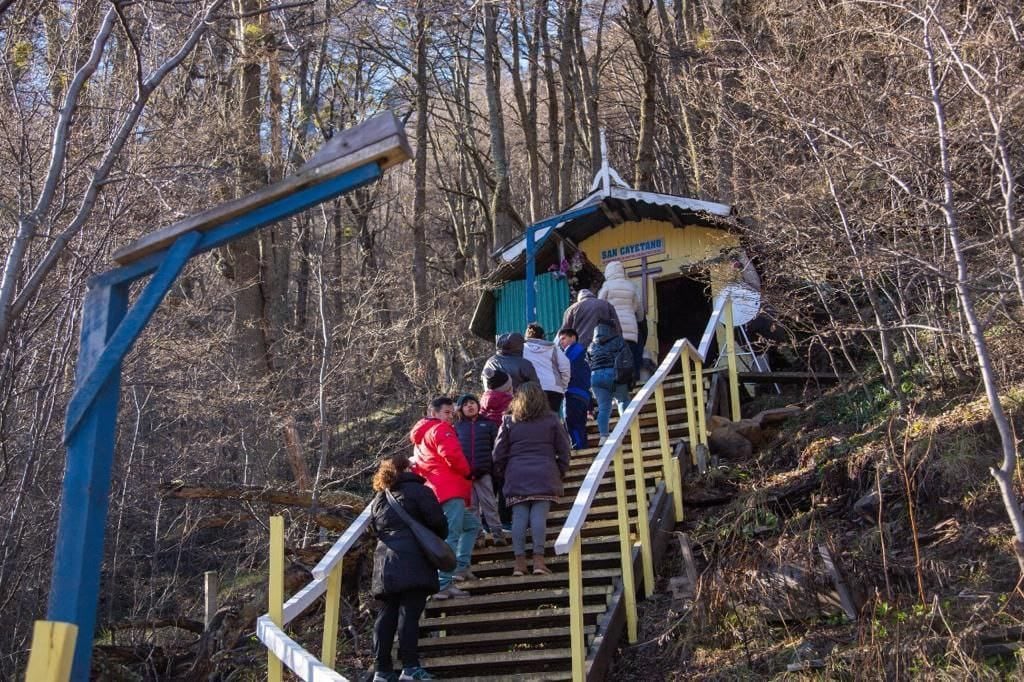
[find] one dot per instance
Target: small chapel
(681, 252)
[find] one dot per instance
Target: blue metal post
(531, 253)
(531, 275)
(108, 331)
(78, 555)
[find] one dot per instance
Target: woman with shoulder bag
(403, 576)
(531, 454)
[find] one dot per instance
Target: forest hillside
(871, 151)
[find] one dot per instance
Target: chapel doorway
(684, 308)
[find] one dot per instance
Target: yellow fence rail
(282, 650)
(612, 454)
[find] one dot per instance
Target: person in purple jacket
(532, 455)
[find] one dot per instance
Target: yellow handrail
(612, 454)
(282, 649)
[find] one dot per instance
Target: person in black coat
(403, 578)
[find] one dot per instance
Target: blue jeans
(535, 515)
(463, 526)
(602, 383)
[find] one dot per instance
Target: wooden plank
(792, 377)
(53, 648)
(380, 140)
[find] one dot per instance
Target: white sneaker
(601, 442)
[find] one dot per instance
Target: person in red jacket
(439, 460)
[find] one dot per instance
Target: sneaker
(500, 540)
(449, 592)
(463, 575)
(385, 677)
(416, 674)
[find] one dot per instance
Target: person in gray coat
(508, 357)
(586, 312)
(531, 454)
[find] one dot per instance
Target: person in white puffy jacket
(553, 368)
(625, 298)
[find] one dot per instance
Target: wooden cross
(643, 273)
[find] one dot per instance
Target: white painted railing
(612, 454)
(326, 579)
(283, 650)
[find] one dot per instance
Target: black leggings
(399, 612)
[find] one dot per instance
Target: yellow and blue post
(109, 328)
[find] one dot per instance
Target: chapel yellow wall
(683, 248)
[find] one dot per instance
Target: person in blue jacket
(577, 395)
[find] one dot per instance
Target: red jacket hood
(419, 430)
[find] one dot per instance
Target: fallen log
(327, 507)
(188, 624)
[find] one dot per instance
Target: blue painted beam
(532, 246)
(108, 331)
(78, 553)
(129, 329)
(244, 224)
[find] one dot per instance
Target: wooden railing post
(332, 609)
(668, 469)
(275, 605)
(643, 525)
(730, 350)
(577, 633)
(625, 546)
(210, 587)
(702, 425)
(53, 649)
(691, 409)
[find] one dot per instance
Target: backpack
(624, 365)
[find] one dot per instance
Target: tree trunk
(419, 206)
(1004, 473)
(570, 18)
(501, 206)
(636, 13)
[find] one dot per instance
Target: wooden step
(651, 452)
(432, 646)
(597, 543)
(505, 581)
(546, 676)
(520, 598)
(491, 622)
(493, 565)
(502, 662)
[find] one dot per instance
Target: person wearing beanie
(476, 435)
(494, 405)
(508, 357)
(495, 400)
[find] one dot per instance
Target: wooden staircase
(518, 627)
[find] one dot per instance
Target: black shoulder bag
(437, 551)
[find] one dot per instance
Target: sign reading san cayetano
(649, 247)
